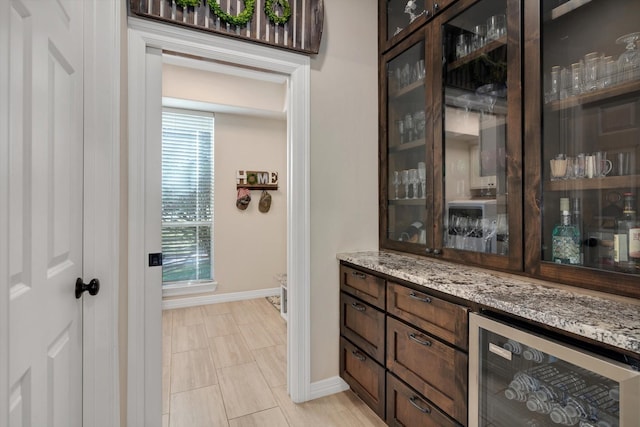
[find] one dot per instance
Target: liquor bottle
(576, 220)
(565, 237)
(626, 239)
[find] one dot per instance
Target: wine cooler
(518, 377)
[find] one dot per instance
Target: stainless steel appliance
(521, 378)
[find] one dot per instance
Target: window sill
(188, 288)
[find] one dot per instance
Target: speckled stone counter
(611, 320)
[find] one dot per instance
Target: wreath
(186, 3)
(269, 10)
(241, 19)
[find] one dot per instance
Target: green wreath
(241, 19)
(186, 3)
(286, 11)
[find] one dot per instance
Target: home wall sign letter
(257, 180)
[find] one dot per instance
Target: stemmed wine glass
(629, 60)
(396, 182)
(422, 176)
(489, 229)
(404, 175)
(460, 227)
(502, 231)
(413, 180)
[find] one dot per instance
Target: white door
(45, 117)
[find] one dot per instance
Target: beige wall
(250, 246)
(344, 162)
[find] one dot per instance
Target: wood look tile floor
(225, 365)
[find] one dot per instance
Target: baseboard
(212, 299)
(327, 387)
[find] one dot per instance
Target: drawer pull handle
(413, 400)
(358, 307)
(413, 295)
(358, 355)
(413, 337)
(359, 275)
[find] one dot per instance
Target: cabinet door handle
(413, 400)
(414, 337)
(358, 355)
(359, 275)
(437, 251)
(358, 307)
(413, 295)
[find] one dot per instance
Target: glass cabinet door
(400, 14)
(590, 138)
(480, 129)
(405, 187)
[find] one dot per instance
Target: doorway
(147, 40)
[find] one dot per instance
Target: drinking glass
(489, 228)
(496, 27)
(462, 45)
(608, 72)
(502, 233)
(396, 182)
(422, 176)
(413, 180)
(400, 125)
(408, 126)
(554, 84)
(629, 60)
(602, 165)
(591, 64)
(478, 37)
(576, 78)
(404, 177)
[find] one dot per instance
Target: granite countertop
(607, 319)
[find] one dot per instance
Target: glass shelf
(606, 183)
(489, 47)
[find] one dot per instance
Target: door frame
(102, 36)
(146, 40)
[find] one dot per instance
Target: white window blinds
(187, 196)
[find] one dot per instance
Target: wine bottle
(626, 238)
(565, 237)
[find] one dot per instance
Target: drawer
(436, 370)
(365, 376)
(406, 408)
(365, 286)
(440, 318)
(363, 325)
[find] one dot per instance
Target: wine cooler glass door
(519, 378)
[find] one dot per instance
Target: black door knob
(93, 287)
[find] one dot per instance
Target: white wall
(249, 246)
(344, 163)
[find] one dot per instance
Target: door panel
(45, 202)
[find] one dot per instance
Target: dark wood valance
(302, 33)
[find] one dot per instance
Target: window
(187, 197)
